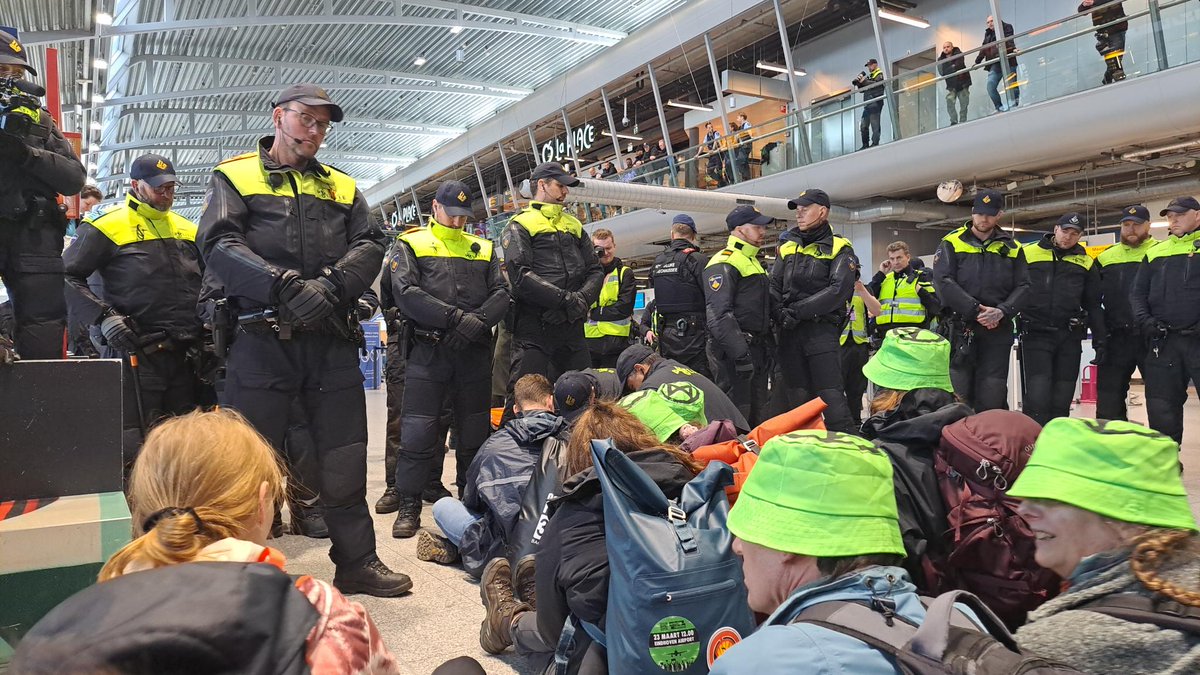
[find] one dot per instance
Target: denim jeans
(453, 518)
(995, 76)
(956, 104)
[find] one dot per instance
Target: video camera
(17, 93)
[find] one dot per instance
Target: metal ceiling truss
(344, 156)
(501, 21)
(410, 128)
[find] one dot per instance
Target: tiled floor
(440, 619)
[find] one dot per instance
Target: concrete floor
(440, 619)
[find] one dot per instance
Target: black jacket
(968, 273)
(677, 277)
(809, 287)
(1060, 290)
(308, 224)
(548, 255)
(1167, 286)
(1107, 11)
(436, 271)
(149, 263)
(736, 304)
(49, 169)
(496, 482)
(910, 435)
(990, 51)
(871, 85)
(949, 64)
(611, 389)
(572, 562)
(1118, 268)
(717, 405)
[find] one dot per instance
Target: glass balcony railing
(1052, 61)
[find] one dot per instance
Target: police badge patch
(714, 282)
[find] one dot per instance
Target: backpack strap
(876, 624)
(1138, 608)
(566, 642)
(933, 637)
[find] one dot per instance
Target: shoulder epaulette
(238, 158)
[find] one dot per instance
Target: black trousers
(981, 378)
(549, 351)
(749, 394)
(1167, 375)
(263, 376)
(169, 387)
(32, 268)
(393, 374)
(434, 373)
(812, 366)
(1051, 364)
(1126, 351)
(685, 339)
(300, 451)
(854, 357)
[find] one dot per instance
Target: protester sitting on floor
(480, 526)
(640, 367)
(574, 392)
(572, 561)
(204, 488)
(816, 521)
(673, 412)
(1112, 518)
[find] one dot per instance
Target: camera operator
(870, 81)
(36, 165)
(1110, 40)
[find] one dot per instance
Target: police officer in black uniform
(292, 244)
(812, 281)
(1166, 304)
(555, 277)
(738, 309)
(639, 368)
(1126, 350)
(677, 317)
(36, 165)
(1064, 299)
(448, 287)
(980, 276)
(146, 256)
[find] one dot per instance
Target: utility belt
(681, 323)
(409, 333)
(30, 209)
(227, 323)
(1075, 324)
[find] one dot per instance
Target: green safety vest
(608, 296)
(1004, 247)
(813, 250)
(901, 301)
(743, 259)
(1123, 253)
(1173, 246)
(1038, 254)
(425, 243)
(856, 323)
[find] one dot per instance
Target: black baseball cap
(633, 355)
(12, 51)
(555, 171)
(684, 219)
(154, 170)
(869, 62)
(310, 94)
(1071, 220)
(1137, 213)
(1181, 205)
(988, 202)
(746, 215)
(455, 198)
(810, 196)
(573, 393)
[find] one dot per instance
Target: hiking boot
(408, 517)
(309, 521)
(389, 502)
(524, 581)
(495, 588)
(433, 547)
(373, 578)
(433, 492)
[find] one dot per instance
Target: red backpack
(991, 548)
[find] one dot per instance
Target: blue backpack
(676, 596)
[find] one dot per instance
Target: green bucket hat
(686, 399)
(911, 358)
(1119, 470)
(819, 493)
(653, 410)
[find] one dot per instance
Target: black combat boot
(408, 517)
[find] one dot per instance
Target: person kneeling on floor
(479, 527)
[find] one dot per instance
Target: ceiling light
(905, 19)
(104, 18)
(776, 68)
(97, 126)
(93, 148)
(419, 61)
(628, 137)
(690, 106)
(1159, 223)
(78, 109)
(455, 30)
(97, 98)
(100, 64)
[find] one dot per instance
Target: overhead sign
(583, 139)
(407, 214)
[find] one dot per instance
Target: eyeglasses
(310, 122)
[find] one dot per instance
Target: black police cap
(810, 196)
(1071, 220)
(573, 394)
(553, 171)
(13, 52)
(1136, 213)
(455, 198)
(988, 202)
(633, 355)
(152, 169)
(1181, 205)
(746, 215)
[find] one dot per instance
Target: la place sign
(582, 138)
(407, 214)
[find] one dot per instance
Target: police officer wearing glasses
(292, 244)
(36, 165)
(447, 285)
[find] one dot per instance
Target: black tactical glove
(555, 317)
(308, 301)
(453, 340)
(8, 355)
(118, 333)
(13, 150)
(787, 319)
(1154, 329)
(1101, 358)
(576, 307)
(473, 329)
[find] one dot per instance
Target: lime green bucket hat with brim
(686, 399)
(911, 358)
(1119, 470)
(819, 493)
(653, 410)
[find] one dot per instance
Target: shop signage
(556, 148)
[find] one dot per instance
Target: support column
(716, 77)
(889, 88)
(805, 153)
(662, 122)
(612, 129)
(417, 204)
(998, 22)
(482, 188)
(512, 188)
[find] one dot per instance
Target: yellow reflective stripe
(248, 177)
(1185, 245)
(34, 114)
(999, 246)
(124, 226)
(856, 323)
(599, 329)
(745, 265)
(1120, 254)
(814, 250)
(1035, 253)
(609, 293)
(425, 244)
(537, 223)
